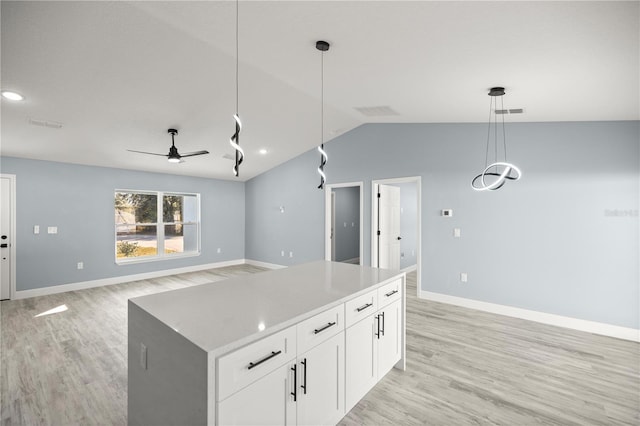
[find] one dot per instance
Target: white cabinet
(307, 390)
(361, 368)
(265, 402)
(320, 392)
(389, 338)
(373, 347)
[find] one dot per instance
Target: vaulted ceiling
(103, 77)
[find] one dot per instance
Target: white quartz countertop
(223, 315)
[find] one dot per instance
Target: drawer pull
(362, 308)
(391, 293)
(267, 358)
(320, 330)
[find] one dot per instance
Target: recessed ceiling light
(263, 151)
(12, 96)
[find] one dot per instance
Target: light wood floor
(463, 366)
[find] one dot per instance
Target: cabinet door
(321, 383)
(267, 401)
(361, 369)
(389, 350)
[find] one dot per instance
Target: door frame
(328, 189)
(374, 221)
(12, 229)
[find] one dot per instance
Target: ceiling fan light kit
(500, 171)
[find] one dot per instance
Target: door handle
(3, 245)
(399, 238)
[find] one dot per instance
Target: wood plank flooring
(463, 366)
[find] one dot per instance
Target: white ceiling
(119, 74)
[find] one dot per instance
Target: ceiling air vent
(510, 111)
(376, 111)
(45, 123)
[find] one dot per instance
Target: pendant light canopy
(235, 138)
(494, 175)
(322, 46)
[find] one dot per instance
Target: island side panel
(173, 387)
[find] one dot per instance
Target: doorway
(343, 222)
(396, 224)
(7, 236)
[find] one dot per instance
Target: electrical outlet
(143, 356)
(52, 230)
(463, 277)
(80, 265)
(36, 229)
(219, 250)
(290, 254)
(282, 253)
(456, 232)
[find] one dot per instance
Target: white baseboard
(263, 264)
(23, 294)
(542, 317)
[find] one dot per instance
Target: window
(156, 225)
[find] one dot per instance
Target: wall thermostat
(447, 212)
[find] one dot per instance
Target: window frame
(160, 228)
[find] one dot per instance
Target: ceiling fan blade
(191, 154)
(144, 152)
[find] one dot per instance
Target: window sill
(148, 259)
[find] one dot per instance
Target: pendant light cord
(237, 55)
(504, 134)
(322, 99)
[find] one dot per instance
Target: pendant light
(235, 138)
(499, 171)
(322, 46)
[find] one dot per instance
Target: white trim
(541, 317)
(263, 264)
(374, 220)
(12, 229)
(327, 216)
(23, 294)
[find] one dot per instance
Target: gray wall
(408, 224)
(562, 240)
(79, 201)
(347, 232)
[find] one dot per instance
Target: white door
(6, 213)
(388, 227)
(361, 369)
(267, 401)
(321, 383)
(389, 342)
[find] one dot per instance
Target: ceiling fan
(173, 156)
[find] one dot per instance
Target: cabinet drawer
(246, 365)
(360, 307)
(389, 293)
(319, 328)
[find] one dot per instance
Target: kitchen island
(300, 345)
